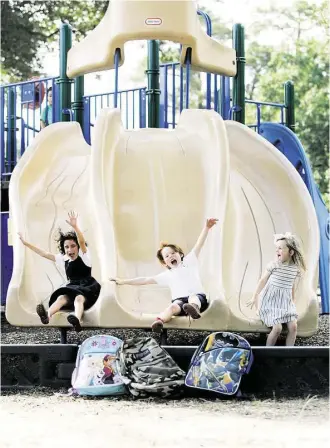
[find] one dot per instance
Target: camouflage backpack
(148, 370)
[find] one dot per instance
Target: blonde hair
(293, 244)
(174, 247)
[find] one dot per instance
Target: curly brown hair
(62, 237)
(174, 247)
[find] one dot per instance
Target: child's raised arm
(202, 237)
(134, 281)
(73, 223)
(36, 249)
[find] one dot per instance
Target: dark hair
(49, 89)
(64, 237)
(173, 247)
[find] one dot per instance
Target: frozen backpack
(219, 364)
(97, 370)
(148, 369)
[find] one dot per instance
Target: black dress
(80, 283)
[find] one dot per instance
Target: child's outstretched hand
(21, 238)
(117, 280)
(72, 221)
(210, 222)
(252, 303)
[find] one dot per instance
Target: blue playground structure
(158, 104)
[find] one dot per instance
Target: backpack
(97, 370)
(149, 370)
(219, 364)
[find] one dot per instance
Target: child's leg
(193, 307)
(173, 310)
(79, 302)
(57, 305)
(75, 319)
(274, 334)
(292, 333)
(165, 316)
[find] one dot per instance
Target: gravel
(39, 335)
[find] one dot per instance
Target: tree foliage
(303, 58)
(38, 23)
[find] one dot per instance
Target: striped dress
(276, 304)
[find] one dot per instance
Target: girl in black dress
(82, 290)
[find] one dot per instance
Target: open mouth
(174, 262)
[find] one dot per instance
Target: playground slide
(266, 196)
(288, 143)
(51, 178)
(137, 188)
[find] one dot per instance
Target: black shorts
(182, 300)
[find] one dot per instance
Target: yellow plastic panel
(127, 20)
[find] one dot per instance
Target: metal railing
(22, 103)
(173, 86)
(21, 106)
(131, 102)
(261, 104)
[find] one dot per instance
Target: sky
(232, 11)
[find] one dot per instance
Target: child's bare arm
(36, 249)
(202, 237)
(73, 223)
(260, 286)
(294, 289)
(134, 281)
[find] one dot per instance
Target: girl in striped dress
(275, 291)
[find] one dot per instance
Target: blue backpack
(97, 371)
(219, 364)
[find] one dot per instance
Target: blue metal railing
(173, 99)
(21, 108)
(258, 105)
(21, 105)
(175, 94)
(131, 102)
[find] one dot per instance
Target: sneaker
(74, 321)
(157, 326)
(192, 310)
(42, 313)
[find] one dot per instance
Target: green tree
(302, 56)
(37, 22)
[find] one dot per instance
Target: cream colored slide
(135, 189)
(51, 178)
(266, 196)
